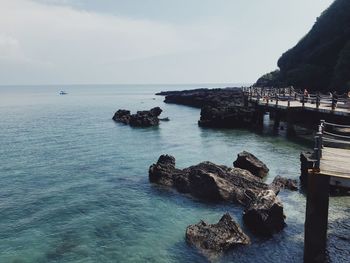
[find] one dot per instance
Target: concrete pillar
(316, 219)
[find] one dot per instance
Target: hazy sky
(148, 41)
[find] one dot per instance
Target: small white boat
(63, 92)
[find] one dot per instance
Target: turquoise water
(74, 184)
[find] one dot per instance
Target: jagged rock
(122, 116)
(202, 97)
(222, 236)
(283, 183)
(264, 216)
(209, 181)
(248, 161)
(221, 108)
(226, 116)
(140, 119)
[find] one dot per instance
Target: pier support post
(277, 120)
(260, 118)
(290, 123)
(316, 219)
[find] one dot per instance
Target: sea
(74, 184)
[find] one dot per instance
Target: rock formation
(211, 182)
(264, 215)
(222, 236)
(248, 161)
(280, 182)
(220, 108)
(140, 119)
(226, 116)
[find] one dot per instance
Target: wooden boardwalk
(341, 109)
(332, 150)
(335, 162)
(288, 98)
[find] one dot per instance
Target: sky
(148, 41)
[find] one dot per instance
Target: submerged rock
(224, 235)
(140, 119)
(248, 161)
(283, 183)
(264, 216)
(212, 182)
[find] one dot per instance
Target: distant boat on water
(63, 92)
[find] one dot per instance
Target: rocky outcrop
(208, 181)
(283, 183)
(220, 108)
(226, 116)
(248, 161)
(212, 182)
(204, 97)
(224, 235)
(264, 216)
(140, 119)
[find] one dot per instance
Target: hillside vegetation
(321, 59)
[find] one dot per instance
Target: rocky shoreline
(220, 108)
(263, 211)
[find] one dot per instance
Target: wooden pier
(328, 166)
(293, 107)
(331, 167)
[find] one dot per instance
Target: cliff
(321, 59)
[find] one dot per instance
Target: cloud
(9, 46)
(58, 41)
(70, 41)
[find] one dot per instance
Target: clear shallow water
(74, 184)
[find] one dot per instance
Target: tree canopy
(321, 59)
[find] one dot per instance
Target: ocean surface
(74, 184)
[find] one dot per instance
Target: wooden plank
(324, 107)
(335, 162)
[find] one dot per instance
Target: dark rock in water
(182, 92)
(248, 161)
(212, 182)
(226, 116)
(264, 216)
(224, 235)
(283, 183)
(140, 119)
(163, 172)
(208, 181)
(206, 97)
(221, 108)
(122, 116)
(164, 119)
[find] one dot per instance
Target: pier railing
(331, 167)
(288, 96)
(332, 150)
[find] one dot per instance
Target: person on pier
(306, 95)
(334, 99)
